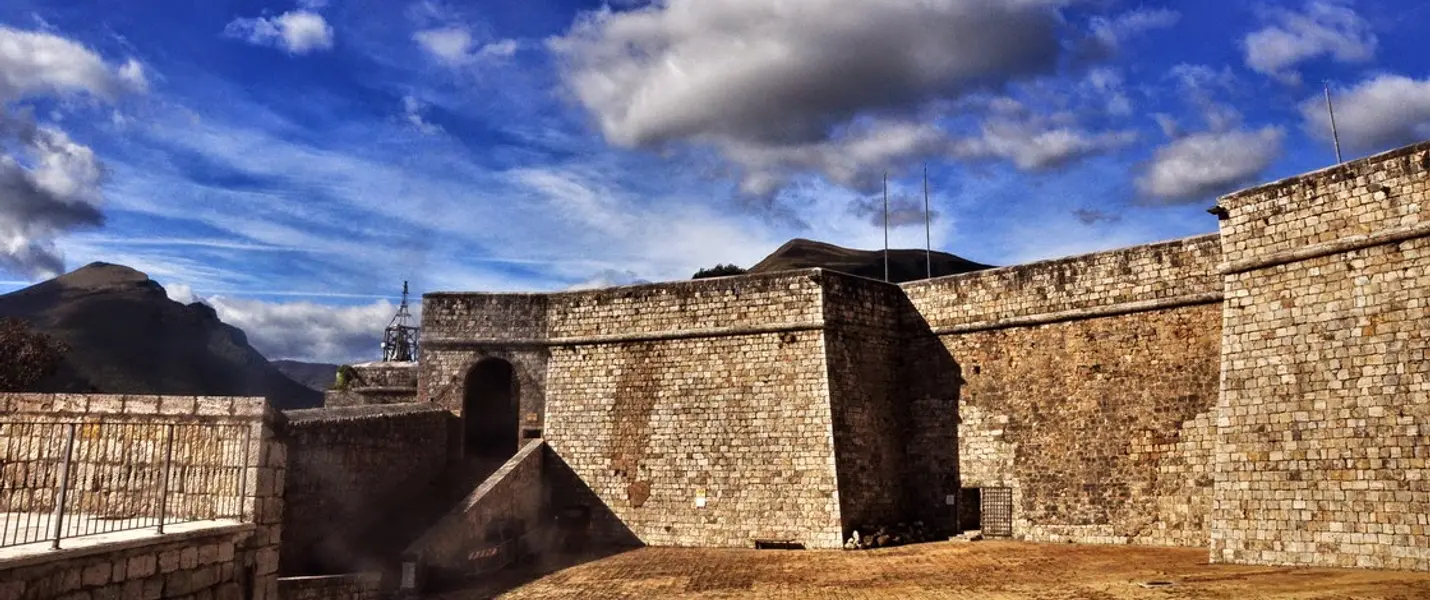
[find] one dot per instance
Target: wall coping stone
(1351, 165)
(168, 537)
(334, 414)
(995, 272)
(637, 287)
(459, 342)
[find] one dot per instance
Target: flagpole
(928, 227)
(886, 225)
(1335, 136)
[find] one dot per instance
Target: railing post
(164, 485)
(57, 527)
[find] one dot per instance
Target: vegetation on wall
(346, 376)
(720, 270)
(26, 356)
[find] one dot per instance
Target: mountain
(904, 265)
(126, 336)
(317, 376)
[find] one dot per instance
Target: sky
(292, 162)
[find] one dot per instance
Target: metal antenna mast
(399, 340)
(886, 225)
(928, 227)
(1331, 110)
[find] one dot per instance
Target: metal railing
(61, 480)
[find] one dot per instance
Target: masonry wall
(863, 347)
(1325, 397)
(201, 564)
(261, 465)
(1085, 384)
(513, 500)
(350, 468)
(459, 330)
(698, 412)
(377, 383)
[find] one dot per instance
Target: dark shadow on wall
(576, 527)
(932, 383)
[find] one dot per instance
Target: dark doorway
(970, 515)
(489, 410)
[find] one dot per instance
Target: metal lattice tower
(399, 340)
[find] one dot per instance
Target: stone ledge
(1345, 244)
(198, 530)
(467, 343)
(1112, 310)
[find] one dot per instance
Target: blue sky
(292, 162)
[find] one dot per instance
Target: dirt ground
(992, 570)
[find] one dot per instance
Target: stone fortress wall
(1322, 447)
(1259, 391)
(1084, 385)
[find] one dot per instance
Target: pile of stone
(885, 537)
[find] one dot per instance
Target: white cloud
(1322, 28)
(773, 84)
(304, 330)
(49, 183)
(34, 64)
(609, 278)
(1379, 113)
(412, 113)
(1036, 143)
(1205, 164)
(1110, 34)
(454, 46)
(296, 31)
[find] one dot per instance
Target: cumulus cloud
(49, 183)
(1379, 113)
(34, 64)
(305, 330)
(780, 85)
(296, 31)
(1037, 143)
(1209, 163)
(455, 46)
(1321, 28)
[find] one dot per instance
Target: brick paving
(993, 570)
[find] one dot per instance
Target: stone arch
(491, 409)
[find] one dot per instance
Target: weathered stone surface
(1321, 452)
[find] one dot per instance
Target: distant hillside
(904, 265)
(316, 376)
(127, 337)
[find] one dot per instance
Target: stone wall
(377, 383)
(206, 563)
(1084, 384)
(349, 468)
(863, 347)
(708, 423)
(262, 461)
(352, 586)
(1325, 397)
(511, 500)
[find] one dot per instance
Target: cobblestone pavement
(992, 570)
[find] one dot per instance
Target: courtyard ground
(991, 570)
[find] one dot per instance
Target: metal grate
(997, 508)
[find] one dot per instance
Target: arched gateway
(490, 409)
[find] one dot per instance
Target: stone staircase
(408, 522)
